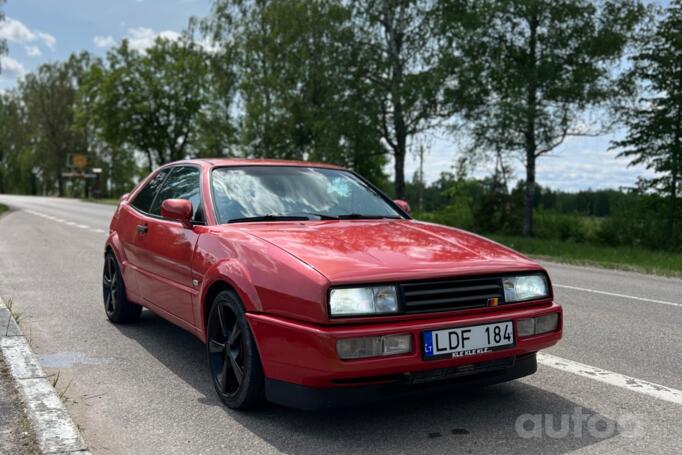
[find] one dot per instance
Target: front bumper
(298, 356)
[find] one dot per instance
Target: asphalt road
(145, 389)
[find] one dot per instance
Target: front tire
(117, 307)
(233, 359)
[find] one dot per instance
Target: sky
(40, 31)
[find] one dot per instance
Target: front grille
(452, 294)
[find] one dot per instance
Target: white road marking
(613, 294)
(68, 223)
(611, 378)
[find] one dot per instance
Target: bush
(641, 222)
(457, 215)
(557, 226)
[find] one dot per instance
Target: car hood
(383, 250)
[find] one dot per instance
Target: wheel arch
(227, 275)
(213, 290)
(113, 244)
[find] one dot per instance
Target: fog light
(547, 323)
(525, 327)
(537, 326)
(397, 344)
(358, 348)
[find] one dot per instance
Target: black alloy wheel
(118, 309)
(232, 355)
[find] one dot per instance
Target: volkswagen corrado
(312, 289)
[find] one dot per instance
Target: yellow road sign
(79, 161)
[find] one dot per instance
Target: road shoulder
(53, 431)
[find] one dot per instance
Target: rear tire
(234, 363)
(116, 306)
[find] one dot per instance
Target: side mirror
(404, 206)
(178, 210)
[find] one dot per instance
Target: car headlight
(525, 287)
(363, 301)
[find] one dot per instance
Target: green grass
(3, 208)
(623, 258)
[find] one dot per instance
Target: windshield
(272, 193)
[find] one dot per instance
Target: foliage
(338, 81)
(48, 95)
(545, 63)
(152, 101)
(654, 136)
(3, 43)
(300, 82)
(636, 221)
(15, 156)
(604, 217)
(402, 72)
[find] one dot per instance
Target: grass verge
(622, 258)
(9, 304)
(3, 208)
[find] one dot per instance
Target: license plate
(465, 341)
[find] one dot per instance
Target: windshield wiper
(268, 218)
(322, 216)
(360, 216)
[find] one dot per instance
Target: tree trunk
(394, 41)
(674, 177)
(530, 143)
(529, 193)
(400, 149)
(399, 173)
(150, 160)
(60, 183)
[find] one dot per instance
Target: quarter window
(145, 197)
(183, 183)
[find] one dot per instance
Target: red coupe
(313, 289)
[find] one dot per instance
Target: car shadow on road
(515, 417)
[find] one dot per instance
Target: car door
(164, 248)
(131, 217)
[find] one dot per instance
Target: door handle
(142, 228)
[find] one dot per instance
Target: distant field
(624, 258)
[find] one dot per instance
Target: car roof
(219, 162)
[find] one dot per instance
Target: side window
(183, 183)
(144, 198)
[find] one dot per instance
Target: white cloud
(47, 39)
(33, 51)
(142, 38)
(104, 41)
(139, 38)
(10, 69)
(15, 31)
